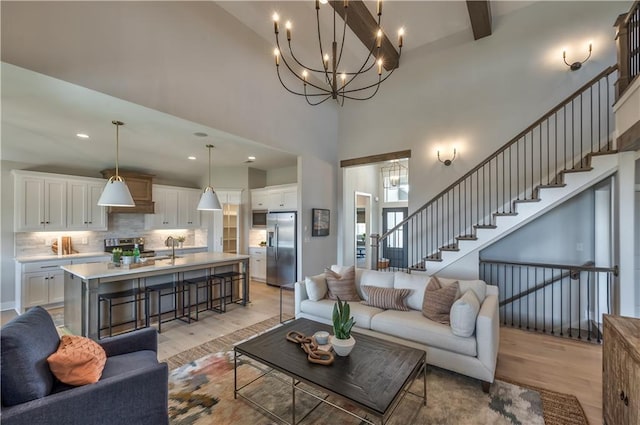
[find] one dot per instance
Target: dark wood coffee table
(375, 376)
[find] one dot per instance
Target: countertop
(106, 270)
(32, 259)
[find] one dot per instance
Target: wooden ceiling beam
(365, 26)
(480, 16)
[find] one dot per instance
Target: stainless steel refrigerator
(281, 248)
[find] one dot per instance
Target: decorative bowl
(322, 337)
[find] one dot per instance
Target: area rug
(201, 392)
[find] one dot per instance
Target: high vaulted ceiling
(41, 115)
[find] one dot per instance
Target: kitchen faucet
(173, 246)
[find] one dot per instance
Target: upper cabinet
(175, 208)
(283, 198)
(141, 188)
(259, 199)
(51, 202)
(83, 212)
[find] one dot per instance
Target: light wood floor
(525, 357)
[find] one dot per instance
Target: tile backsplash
(120, 226)
(256, 236)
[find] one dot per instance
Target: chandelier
(395, 174)
(329, 80)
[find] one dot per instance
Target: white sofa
(474, 356)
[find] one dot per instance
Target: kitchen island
(84, 282)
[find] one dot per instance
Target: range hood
(140, 185)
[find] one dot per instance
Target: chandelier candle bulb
(276, 18)
(344, 78)
(288, 26)
(400, 37)
(379, 7)
(304, 75)
(379, 66)
(326, 61)
(379, 38)
(276, 53)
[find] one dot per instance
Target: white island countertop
(186, 261)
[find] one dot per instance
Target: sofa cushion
(26, 342)
(316, 287)
(373, 278)
(464, 313)
(343, 285)
(438, 300)
(78, 360)
(416, 283)
(479, 287)
(386, 298)
(361, 313)
(413, 326)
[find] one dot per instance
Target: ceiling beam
(365, 26)
(480, 16)
(372, 159)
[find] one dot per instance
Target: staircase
(564, 152)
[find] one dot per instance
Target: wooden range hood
(140, 185)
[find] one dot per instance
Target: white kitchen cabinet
(39, 202)
(258, 263)
(282, 198)
(83, 212)
(166, 208)
(188, 214)
(259, 199)
(40, 283)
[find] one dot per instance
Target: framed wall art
(320, 223)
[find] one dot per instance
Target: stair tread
(485, 226)
(467, 238)
(577, 170)
(505, 214)
(551, 185)
(450, 248)
(433, 258)
(527, 200)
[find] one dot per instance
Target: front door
(394, 248)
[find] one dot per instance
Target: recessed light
(251, 158)
(191, 158)
(82, 135)
(200, 134)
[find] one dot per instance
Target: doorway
(394, 248)
(362, 229)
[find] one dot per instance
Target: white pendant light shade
(116, 194)
(209, 200)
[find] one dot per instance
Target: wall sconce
(575, 65)
(447, 162)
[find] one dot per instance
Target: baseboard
(9, 305)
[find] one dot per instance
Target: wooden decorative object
(310, 346)
(621, 370)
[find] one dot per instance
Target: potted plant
(342, 341)
(127, 257)
(181, 240)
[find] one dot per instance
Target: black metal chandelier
(328, 81)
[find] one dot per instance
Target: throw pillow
(438, 300)
(386, 298)
(342, 286)
(78, 361)
(464, 313)
(316, 287)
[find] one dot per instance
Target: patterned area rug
(201, 392)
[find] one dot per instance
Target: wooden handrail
(583, 268)
(609, 70)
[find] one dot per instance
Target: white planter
(342, 347)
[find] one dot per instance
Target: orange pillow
(78, 361)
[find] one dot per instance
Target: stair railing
(561, 141)
(628, 47)
(562, 300)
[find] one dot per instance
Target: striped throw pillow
(386, 298)
(438, 300)
(343, 286)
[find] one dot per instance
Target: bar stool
(227, 279)
(128, 296)
(208, 283)
(177, 290)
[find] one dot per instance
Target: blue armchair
(132, 390)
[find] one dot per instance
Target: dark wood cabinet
(621, 371)
(140, 185)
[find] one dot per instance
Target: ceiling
(41, 115)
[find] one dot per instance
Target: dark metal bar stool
(114, 299)
(228, 279)
(178, 291)
(208, 283)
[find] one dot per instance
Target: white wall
(282, 175)
(477, 95)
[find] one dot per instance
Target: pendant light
(209, 200)
(116, 193)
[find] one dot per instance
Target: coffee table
(376, 376)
